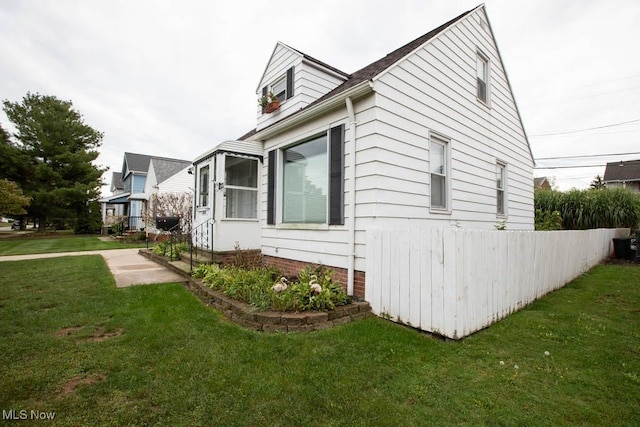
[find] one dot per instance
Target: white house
(427, 136)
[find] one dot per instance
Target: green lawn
(43, 245)
(75, 345)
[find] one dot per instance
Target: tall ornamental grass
(587, 209)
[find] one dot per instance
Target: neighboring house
(542, 183)
(428, 136)
(623, 174)
(113, 206)
(141, 177)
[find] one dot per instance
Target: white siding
(151, 181)
(310, 83)
(313, 243)
(180, 182)
(434, 90)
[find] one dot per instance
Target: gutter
(314, 111)
(351, 214)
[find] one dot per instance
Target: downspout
(351, 213)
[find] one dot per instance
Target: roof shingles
(622, 171)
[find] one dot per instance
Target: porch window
(501, 173)
(305, 182)
(482, 77)
(439, 171)
(241, 187)
(203, 194)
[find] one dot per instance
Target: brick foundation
(244, 258)
(290, 267)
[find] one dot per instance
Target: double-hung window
(482, 77)
(241, 187)
(279, 89)
(501, 176)
(311, 186)
(439, 173)
(203, 193)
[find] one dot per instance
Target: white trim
(487, 78)
(505, 189)
(446, 143)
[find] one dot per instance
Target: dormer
(296, 80)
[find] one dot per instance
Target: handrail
(201, 237)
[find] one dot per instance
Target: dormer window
(279, 89)
(282, 87)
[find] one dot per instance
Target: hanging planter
(269, 103)
(272, 106)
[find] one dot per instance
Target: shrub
(585, 209)
(170, 250)
(256, 287)
(546, 220)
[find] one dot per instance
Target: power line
(569, 167)
(584, 130)
(588, 155)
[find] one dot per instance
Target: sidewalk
(127, 266)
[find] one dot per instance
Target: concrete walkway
(127, 266)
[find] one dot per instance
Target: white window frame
(203, 197)
(501, 167)
(228, 186)
(281, 189)
(483, 59)
(446, 144)
(281, 80)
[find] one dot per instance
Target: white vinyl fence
(454, 282)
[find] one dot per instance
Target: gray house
(623, 174)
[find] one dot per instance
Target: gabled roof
(134, 162)
(304, 56)
(116, 181)
(139, 163)
(375, 68)
(538, 182)
(166, 168)
(622, 171)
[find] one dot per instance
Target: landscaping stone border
(265, 321)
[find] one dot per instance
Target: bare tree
(171, 204)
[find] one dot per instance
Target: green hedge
(586, 209)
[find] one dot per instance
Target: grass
(75, 345)
(36, 245)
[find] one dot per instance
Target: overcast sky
(173, 78)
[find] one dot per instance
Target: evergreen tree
(59, 148)
(597, 183)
